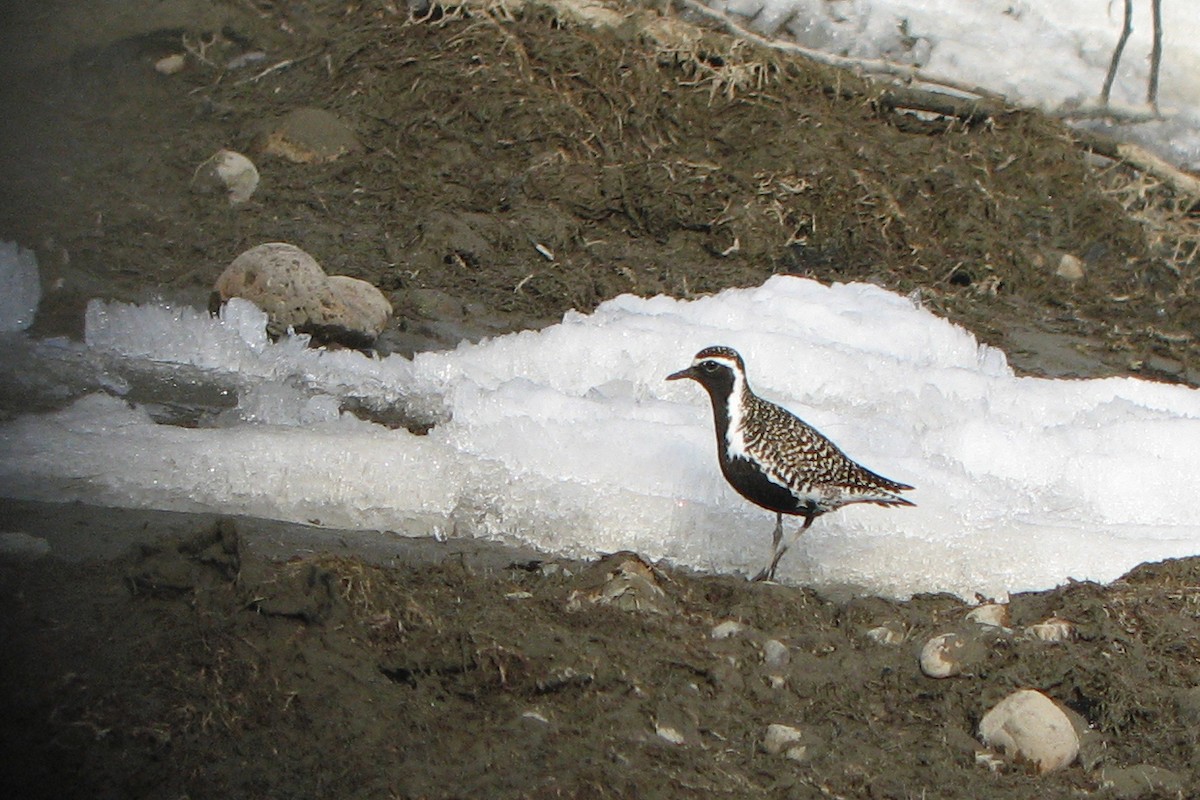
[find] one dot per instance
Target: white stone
(941, 657)
(780, 738)
(670, 734)
(169, 65)
(238, 173)
(775, 653)
(992, 615)
(727, 629)
(1029, 726)
(229, 172)
(1054, 629)
(797, 752)
(1069, 268)
(889, 633)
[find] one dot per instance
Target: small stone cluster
(296, 293)
(1026, 726)
(302, 136)
(281, 279)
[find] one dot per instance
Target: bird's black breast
(752, 484)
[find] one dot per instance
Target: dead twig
(1155, 54)
(1124, 116)
(282, 65)
(199, 51)
(971, 111)
(905, 72)
(1126, 29)
(1142, 160)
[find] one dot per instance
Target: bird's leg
(777, 550)
(768, 574)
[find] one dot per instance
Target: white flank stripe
(735, 439)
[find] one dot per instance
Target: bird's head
(717, 369)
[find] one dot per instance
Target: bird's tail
(885, 491)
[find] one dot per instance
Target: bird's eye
(709, 366)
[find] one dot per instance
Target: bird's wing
(797, 455)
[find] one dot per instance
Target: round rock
(890, 633)
(169, 65)
(951, 654)
(310, 136)
(1142, 781)
(992, 615)
(1029, 726)
(779, 738)
(231, 171)
(727, 629)
(1054, 629)
(1070, 268)
(290, 286)
(21, 545)
(776, 654)
(361, 303)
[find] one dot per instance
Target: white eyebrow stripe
(720, 359)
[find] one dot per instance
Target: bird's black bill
(683, 373)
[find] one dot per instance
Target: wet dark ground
(187, 655)
(155, 655)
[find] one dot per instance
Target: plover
(776, 460)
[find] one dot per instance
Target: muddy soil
(202, 662)
(517, 161)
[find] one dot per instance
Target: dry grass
(1171, 223)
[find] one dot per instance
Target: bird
(776, 460)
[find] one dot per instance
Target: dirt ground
(516, 161)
